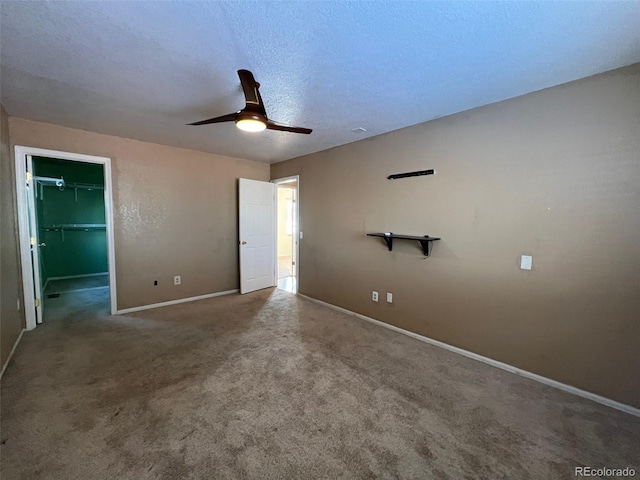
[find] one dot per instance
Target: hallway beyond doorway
(287, 233)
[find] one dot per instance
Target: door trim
(28, 288)
(36, 260)
(278, 181)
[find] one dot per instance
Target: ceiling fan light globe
(250, 124)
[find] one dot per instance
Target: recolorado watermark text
(627, 472)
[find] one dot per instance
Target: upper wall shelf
(389, 236)
(419, 173)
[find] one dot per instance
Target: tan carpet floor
(73, 284)
(272, 386)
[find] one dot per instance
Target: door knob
(243, 243)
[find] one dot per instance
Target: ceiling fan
(253, 117)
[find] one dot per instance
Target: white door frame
(28, 286)
(296, 233)
(36, 261)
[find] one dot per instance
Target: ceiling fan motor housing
(249, 115)
(251, 121)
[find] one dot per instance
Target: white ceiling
(144, 69)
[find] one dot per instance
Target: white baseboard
(175, 302)
(15, 345)
(489, 361)
(78, 276)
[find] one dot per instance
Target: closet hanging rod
(41, 182)
(61, 184)
(86, 186)
(50, 181)
(71, 226)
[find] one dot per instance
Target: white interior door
(34, 241)
(257, 235)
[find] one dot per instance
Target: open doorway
(287, 233)
(72, 236)
(66, 233)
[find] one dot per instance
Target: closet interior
(72, 240)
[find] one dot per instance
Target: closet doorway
(287, 233)
(66, 237)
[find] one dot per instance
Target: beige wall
(175, 211)
(554, 174)
(11, 316)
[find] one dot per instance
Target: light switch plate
(526, 262)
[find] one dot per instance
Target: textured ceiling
(144, 69)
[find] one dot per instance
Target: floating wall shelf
(389, 236)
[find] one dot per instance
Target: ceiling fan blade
(271, 125)
(251, 90)
(224, 118)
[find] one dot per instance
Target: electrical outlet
(177, 280)
(374, 296)
(389, 297)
